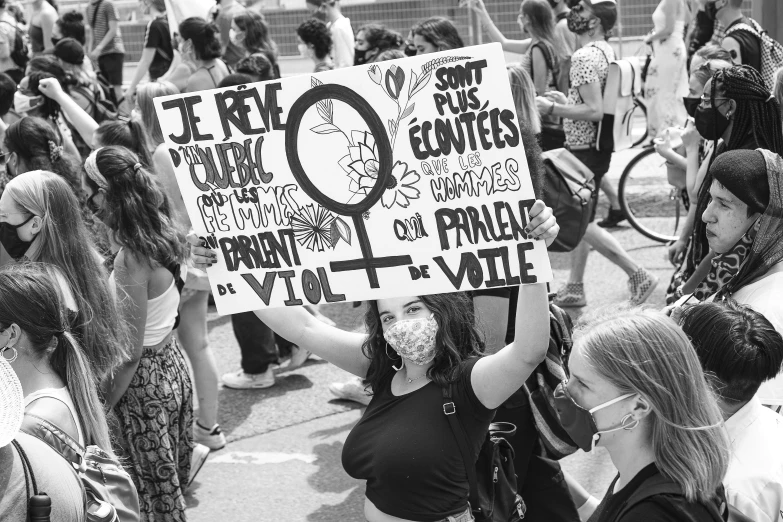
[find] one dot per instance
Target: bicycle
(653, 206)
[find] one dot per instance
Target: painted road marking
(260, 458)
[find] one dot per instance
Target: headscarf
(767, 248)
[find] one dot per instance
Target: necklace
(416, 379)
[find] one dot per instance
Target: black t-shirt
(406, 451)
(750, 46)
(159, 38)
(659, 508)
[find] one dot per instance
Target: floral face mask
(414, 339)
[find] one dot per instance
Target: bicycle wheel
(653, 206)
(639, 130)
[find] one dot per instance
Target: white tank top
(62, 395)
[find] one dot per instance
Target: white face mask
(24, 103)
(11, 403)
(414, 339)
(304, 50)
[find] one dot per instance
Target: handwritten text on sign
(398, 178)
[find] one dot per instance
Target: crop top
(406, 451)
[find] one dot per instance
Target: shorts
(598, 163)
(110, 66)
(465, 516)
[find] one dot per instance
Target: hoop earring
(632, 425)
(12, 359)
(402, 362)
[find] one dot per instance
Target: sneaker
(299, 356)
(197, 459)
(212, 438)
(352, 390)
(613, 218)
(571, 295)
(641, 284)
(240, 380)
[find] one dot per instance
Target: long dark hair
(137, 209)
(32, 301)
(125, 132)
(440, 32)
(34, 141)
(378, 37)
(49, 108)
(457, 339)
(64, 242)
(204, 36)
(256, 34)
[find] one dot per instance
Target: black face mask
(360, 57)
(577, 24)
(690, 105)
(410, 50)
(710, 123)
(9, 238)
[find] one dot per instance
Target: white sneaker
(352, 390)
(212, 438)
(197, 460)
(240, 380)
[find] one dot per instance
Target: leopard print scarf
(726, 266)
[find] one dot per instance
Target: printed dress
(667, 78)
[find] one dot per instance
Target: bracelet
(551, 109)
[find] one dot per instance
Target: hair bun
(211, 29)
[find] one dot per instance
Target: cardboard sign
(399, 178)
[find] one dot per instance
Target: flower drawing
(395, 79)
(401, 187)
(375, 74)
(361, 162)
(312, 227)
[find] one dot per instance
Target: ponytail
(69, 361)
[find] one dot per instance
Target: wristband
(588, 508)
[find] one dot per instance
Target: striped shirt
(104, 11)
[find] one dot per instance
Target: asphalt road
(282, 462)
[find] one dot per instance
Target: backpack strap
(56, 438)
(29, 476)
(547, 59)
(97, 5)
(450, 409)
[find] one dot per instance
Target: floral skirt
(155, 432)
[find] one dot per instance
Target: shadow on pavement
(331, 478)
(322, 434)
(237, 405)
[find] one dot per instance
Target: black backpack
(568, 190)
(20, 54)
(493, 482)
(660, 485)
(101, 108)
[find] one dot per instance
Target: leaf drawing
(392, 127)
(420, 83)
(437, 62)
(414, 79)
(325, 107)
(338, 230)
(408, 111)
(315, 82)
(325, 128)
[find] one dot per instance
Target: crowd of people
(105, 294)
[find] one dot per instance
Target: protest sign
(399, 178)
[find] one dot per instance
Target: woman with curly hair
(372, 40)
(201, 67)
(315, 43)
(151, 393)
(413, 349)
(252, 33)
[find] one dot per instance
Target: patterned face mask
(414, 339)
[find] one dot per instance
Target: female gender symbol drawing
(352, 210)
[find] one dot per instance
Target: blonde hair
(524, 93)
(65, 243)
(144, 95)
(646, 353)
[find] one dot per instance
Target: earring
(402, 362)
(633, 424)
(13, 358)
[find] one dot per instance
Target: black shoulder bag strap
(39, 505)
(94, 16)
(450, 409)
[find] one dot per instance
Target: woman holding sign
(414, 347)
